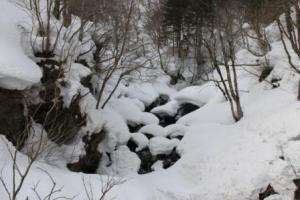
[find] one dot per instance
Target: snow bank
(17, 71)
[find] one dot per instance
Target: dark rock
(86, 82)
(179, 137)
(13, 121)
(268, 192)
(275, 82)
(165, 120)
(186, 109)
(132, 145)
(62, 124)
(171, 159)
(161, 100)
(90, 161)
(297, 191)
(265, 73)
(52, 71)
(135, 128)
(149, 136)
(147, 161)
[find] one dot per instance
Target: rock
(268, 192)
(265, 73)
(171, 159)
(185, 109)
(161, 100)
(86, 82)
(90, 161)
(147, 161)
(134, 128)
(165, 120)
(297, 191)
(62, 124)
(132, 145)
(12, 117)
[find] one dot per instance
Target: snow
(169, 109)
(17, 71)
(120, 165)
(162, 146)
(74, 75)
(196, 95)
(154, 130)
(220, 159)
(131, 112)
(144, 92)
(175, 130)
(157, 166)
(141, 140)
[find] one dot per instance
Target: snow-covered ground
(220, 159)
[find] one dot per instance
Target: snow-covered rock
(162, 146)
(141, 140)
(175, 130)
(153, 130)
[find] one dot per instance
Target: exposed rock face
(90, 161)
(62, 124)
(12, 116)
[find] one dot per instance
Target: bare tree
(290, 34)
(221, 42)
(108, 183)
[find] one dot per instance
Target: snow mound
(120, 165)
(144, 92)
(162, 146)
(154, 130)
(197, 95)
(17, 71)
(169, 109)
(175, 130)
(131, 111)
(141, 140)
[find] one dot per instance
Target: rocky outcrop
(13, 121)
(61, 123)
